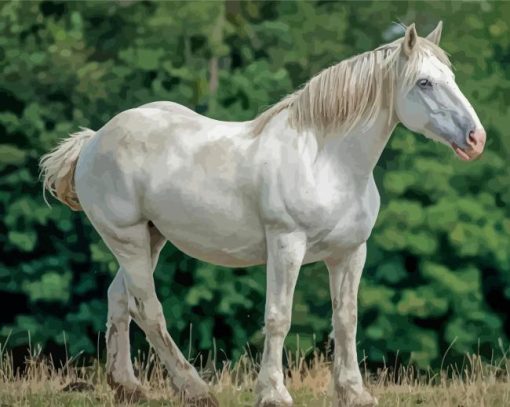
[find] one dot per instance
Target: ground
(474, 384)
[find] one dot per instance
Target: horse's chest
(353, 226)
(346, 224)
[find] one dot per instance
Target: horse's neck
(358, 151)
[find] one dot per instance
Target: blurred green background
(438, 270)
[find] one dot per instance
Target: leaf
(11, 155)
(24, 241)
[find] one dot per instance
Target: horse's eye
(424, 83)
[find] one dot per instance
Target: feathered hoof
(352, 399)
(124, 394)
(207, 400)
(273, 403)
(367, 400)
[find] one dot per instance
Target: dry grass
(474, 384)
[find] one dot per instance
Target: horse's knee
(277, 323)
(147, 311)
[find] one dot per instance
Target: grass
(474, 384)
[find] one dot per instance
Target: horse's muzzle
(475, 143)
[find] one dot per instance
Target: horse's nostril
(471, 138)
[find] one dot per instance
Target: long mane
(352, 91)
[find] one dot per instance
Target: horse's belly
(232, 256)
(217, 228)
(242, 249)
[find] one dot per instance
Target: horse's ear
(435, 35)
(410, 39)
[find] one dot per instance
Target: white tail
(57, 168)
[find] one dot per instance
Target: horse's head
(428, 100)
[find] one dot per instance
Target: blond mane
(352, 91)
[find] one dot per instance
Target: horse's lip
(460, 152)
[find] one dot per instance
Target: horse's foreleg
(344, 278)
(285, 253)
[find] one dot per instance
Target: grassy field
(473, 384)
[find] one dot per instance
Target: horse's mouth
(466, 155)
(460, 152)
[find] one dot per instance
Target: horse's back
(152, 128)
(172, 108)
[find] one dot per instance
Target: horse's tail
(57, 168)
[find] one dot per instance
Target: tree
(438, 258)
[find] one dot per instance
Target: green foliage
(437, 271)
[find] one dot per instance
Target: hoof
(365, 399)
(207, 400)
(124, 394)
(271, 391)
(348, 398)
(272, 403)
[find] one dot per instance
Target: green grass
(474, 384)
(497, 395)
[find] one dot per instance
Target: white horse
(293, 186)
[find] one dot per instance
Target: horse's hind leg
(119, 367)
(132, 247)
